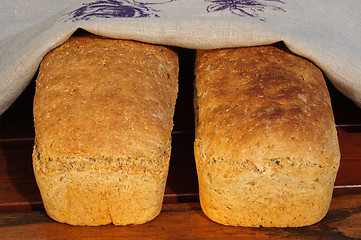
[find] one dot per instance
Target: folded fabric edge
(9, 94)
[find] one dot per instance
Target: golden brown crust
(129, 92)
(263, 114)
(104, 106)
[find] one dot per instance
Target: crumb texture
(103, 116)
(266, 146)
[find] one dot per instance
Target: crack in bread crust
(103, 117)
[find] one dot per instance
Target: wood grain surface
(186, 221)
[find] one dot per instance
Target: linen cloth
(327, 32)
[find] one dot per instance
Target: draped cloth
(327, 32)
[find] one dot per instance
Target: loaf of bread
(266, 146)
(103, 116)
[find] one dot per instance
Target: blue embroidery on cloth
(243, 8)
(114, 9)
(141, 9)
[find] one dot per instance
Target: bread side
(103, 116)
(266, 146)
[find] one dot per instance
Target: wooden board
(187, 221)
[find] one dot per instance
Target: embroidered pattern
(243, 8)
(114, 9)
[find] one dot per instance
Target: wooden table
(22, 215)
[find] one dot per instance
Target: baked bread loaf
(103, 116)
(266, 147)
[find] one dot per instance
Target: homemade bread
(103, 115)
(266, 147)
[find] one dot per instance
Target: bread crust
(103, 116)
(266, 146)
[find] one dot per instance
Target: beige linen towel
(327, 32)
